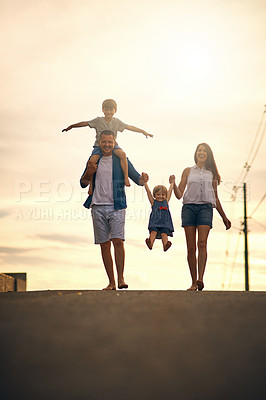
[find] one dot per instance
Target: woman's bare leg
(203, 232)
(190, 232)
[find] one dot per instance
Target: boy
(108, 122)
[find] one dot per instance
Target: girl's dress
(160, 217)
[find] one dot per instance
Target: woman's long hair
(210, 162)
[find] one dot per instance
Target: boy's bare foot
(167, 246)
(193, 288)
(148, 243)
(127, 183)
(110, 287)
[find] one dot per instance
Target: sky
(186, 72)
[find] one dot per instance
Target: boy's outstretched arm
(134, 129)
(77, 125)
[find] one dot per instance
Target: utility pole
(245, 230)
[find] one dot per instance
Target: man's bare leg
(120, 262)
(108, 264)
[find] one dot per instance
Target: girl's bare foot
(110, 287)
(167, 245)
(193, 288)
(148, 243)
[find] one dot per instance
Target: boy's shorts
(197, 214)
(97, 150)
(108, 223)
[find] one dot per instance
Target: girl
(160, 222)
(197, 211)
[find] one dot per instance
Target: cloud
(4, 213)
(13, 250)
(57, 237)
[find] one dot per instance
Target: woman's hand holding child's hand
(172, 179)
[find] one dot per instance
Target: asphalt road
(144, 345)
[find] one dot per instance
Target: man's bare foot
(193, 288)
(110, 287)
(127, 183)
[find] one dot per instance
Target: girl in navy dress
(160, 222)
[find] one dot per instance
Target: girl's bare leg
(190, 232)
(166, 243)
(150, 241)
(123, 161)
(93, 160)
(203, 232)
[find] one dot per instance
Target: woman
(197, 212)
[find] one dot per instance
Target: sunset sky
(185, 71)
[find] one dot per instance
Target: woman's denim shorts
(197, 214)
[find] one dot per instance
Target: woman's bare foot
(122, 285)
(110, 287)
(193, 288)
(200, 285)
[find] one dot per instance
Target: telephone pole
(245, 230)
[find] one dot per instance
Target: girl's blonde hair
(158, 188)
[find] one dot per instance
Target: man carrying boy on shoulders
(108, 203)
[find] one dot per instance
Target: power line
(261, 201)
(248, 163)
(259, 223)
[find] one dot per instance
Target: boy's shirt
(100, 124)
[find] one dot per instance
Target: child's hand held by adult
(172, 179)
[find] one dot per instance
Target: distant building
(13, 282)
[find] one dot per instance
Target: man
(108, 203)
